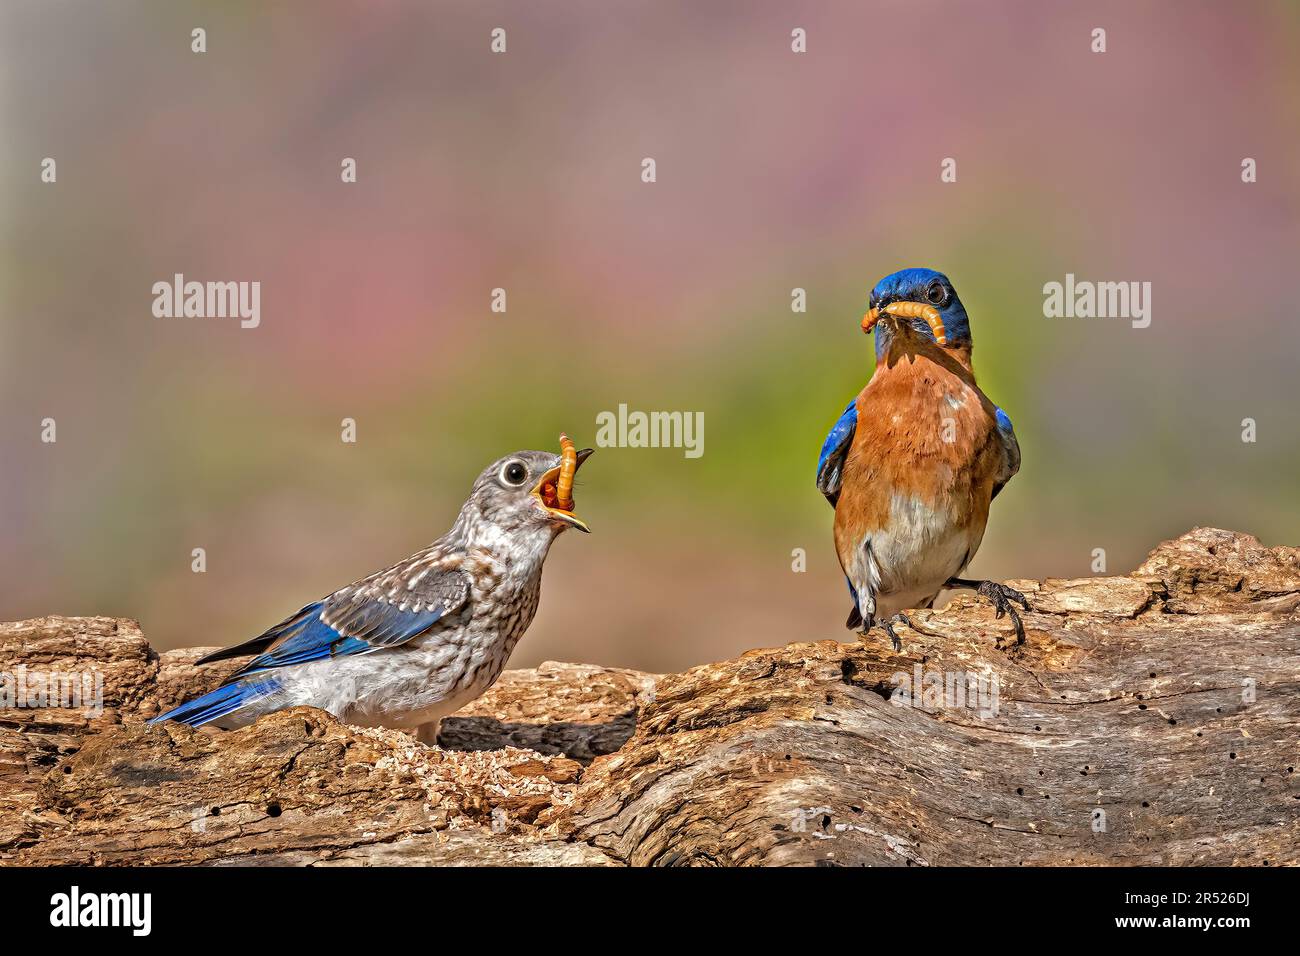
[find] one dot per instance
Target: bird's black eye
(514, 473)
(936, 294)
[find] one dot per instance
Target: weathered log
(1151, 718)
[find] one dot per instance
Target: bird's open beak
(557, 485)
(909, 310)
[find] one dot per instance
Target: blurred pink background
(775, 170)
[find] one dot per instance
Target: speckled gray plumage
(480, 582)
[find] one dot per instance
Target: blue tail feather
(220, 702)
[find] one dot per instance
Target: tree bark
(1147, 719)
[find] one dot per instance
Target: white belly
(916, 554)
(401, 687)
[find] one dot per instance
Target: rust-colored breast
(924, 431)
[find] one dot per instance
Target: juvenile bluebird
(914, 461)
(406, 646)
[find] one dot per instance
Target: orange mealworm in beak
(568, 465)
(910, 310)
(870, 319)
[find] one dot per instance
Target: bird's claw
(894, 641)
(888, 627)
(1004, 600)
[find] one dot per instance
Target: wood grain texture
(1167, 699)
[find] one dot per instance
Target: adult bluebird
(914, 462)
(406, 646)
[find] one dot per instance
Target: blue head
(915, 291)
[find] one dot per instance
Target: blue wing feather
(385, 610)
(1010, 450)
(830, 462)
(301, 638)
(306, 637)
(354, 620)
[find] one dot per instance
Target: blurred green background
(522, 171)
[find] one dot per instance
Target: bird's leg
(868, 622)
(1002, 598)
(427, 734)
(888, 625)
